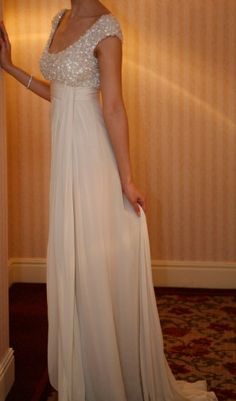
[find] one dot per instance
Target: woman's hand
(41, 88)
(5, 48)
(134, 196)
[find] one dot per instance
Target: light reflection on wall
(156, 80)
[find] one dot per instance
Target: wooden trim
(189, 274)
(7, 373)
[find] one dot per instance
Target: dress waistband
(59, 90)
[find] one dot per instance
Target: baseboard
(7, 373)
(194, 274)
(27, 270)
(189, 274)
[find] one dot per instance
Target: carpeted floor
(199, 329)
(28, 338)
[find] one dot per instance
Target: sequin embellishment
(76, 65)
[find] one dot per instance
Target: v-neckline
(77, 40)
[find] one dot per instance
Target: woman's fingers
(141, 201)
(5, 34)
(135, 197)
(136, 208)
(2, 43)
(5, 47)
(137, 203)
(2, 29)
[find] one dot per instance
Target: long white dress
(104, 338)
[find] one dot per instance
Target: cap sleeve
(108, 26)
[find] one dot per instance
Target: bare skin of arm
(41, 88)
(109, 54)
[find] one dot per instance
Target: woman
(104, 340)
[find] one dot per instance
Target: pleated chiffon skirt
(104, 335)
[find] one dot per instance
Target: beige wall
(179, 85)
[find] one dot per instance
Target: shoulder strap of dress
(57, 17)
(54, 23)
(108, 26)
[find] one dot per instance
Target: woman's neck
(84, 7)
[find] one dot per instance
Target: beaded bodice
(77, 65)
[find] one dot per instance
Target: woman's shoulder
(109, 25)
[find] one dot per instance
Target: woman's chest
(65, 35)
(77, 66)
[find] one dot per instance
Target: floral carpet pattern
(199, 330)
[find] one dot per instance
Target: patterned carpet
(199, 330)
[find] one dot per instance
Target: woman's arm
(109, 53)
(41, 88)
